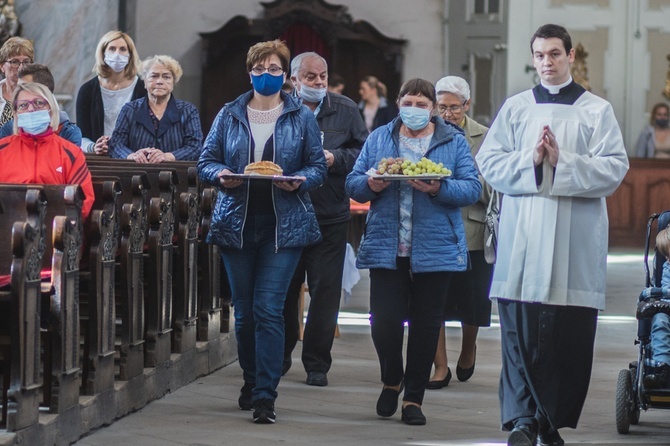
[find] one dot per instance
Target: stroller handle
(652, 217)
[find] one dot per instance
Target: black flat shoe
(319, 379)
(387, 404)
(413, 416)
(465, 374)
(550, 439)
(522, 436)
(434, 385)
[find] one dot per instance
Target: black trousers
(323, 264)
(397, 296)
(547, 356)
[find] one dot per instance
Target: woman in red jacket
(37, 155)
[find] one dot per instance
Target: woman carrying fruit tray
(414, 237)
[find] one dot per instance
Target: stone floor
(205, 412)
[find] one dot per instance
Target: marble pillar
(65, 34)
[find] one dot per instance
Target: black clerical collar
(568, 95)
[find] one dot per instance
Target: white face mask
(35, 122)
(311, 94)
(117, 62)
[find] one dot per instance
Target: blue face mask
(415, 118)
(310, 94)
(267, 84)
(35, 122)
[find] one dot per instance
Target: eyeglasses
(452, 108)
(272, 69)
(16, 62)
(38, 104)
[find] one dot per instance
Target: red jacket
(45, 159)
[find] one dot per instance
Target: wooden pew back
(159, 264)
(182, 312)
(21, 222)
(97, 298)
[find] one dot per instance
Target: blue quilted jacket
(297, 150)
(438, 235)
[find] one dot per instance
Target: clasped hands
(101, 146)
(546, 147)
(151, 155)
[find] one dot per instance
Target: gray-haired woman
(159, 127)
(468, 293)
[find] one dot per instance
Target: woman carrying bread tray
(261, 226)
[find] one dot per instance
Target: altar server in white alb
(555, 152)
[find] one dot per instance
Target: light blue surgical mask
(415, 118)
(117, 62)
(267, 84)
(35, 122)
(311, 94)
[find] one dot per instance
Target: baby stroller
(631, 396)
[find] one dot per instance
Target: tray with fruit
(401, 169)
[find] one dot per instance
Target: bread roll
(263, 168)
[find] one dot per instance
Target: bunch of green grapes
(401, 166)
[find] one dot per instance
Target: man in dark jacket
(343, 133)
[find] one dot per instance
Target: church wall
(597, 27)
(172, 27)
(628, 42)
(472, 39)
(65, 34)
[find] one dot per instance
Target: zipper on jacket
(246, 203)
(304, 206)
(274, 160)
(272, 188)
(411, 219)
(34, 141)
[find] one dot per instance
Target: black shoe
(657, 378)
(434, 385)
(387, 404)
(465, 374)
(550, 439)
(319, 379)
(286, 365)
(264, 411)
(413, 416)
(244, 400)
(522, 436)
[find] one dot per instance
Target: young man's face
(551, 61)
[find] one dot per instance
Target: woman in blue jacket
(414, 239)
(261, 225)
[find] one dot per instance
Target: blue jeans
(259, 279)
(660, 338)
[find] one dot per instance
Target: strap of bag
(493, 203)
